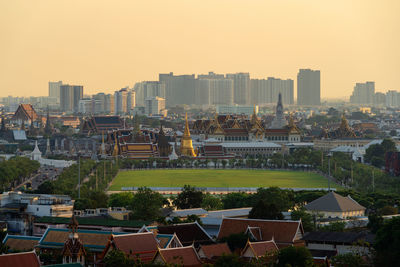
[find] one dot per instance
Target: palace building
(232, 128)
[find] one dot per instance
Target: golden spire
(186, 142)
(187, 131)
(115, 151)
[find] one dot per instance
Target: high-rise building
(309, 87)
(147, 89)
(267, 91)
(379, 99)
(54, 89)
(70, 96)
(154, 105)
(392, 99)
(107, 102)
(202, 92)
(214, 89)
(124, 101)
(179, 89)
(363, 93)
(241, 87)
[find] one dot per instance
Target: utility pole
(104, 171)
(329, 171)
(79, 175)
(96, 180)
(373, 181)
(351, 173)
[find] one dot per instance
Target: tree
(98, 199)
(306, 219)
(116, 258)
(211, 202)
(348, 259)
(189, 198)
(236, 200)
(262, 210)
(45, 188)
(282, 199)
(375, 222)
(387, 243)
(224, 162)
(236, 241)
(295, 257)
(120, 200)
(333, 227)
(146, 204)
(388, 210)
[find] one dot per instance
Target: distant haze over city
(106, 45)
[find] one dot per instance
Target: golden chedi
(186, 148)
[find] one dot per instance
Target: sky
(105, 45)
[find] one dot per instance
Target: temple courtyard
(218, 178)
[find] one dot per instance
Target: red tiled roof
(182, 256)
(25, 259)
(261, 248)
(279, 230)
(216, 250)
(142, 245)
(188, 233)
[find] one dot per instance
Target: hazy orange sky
(106, 45)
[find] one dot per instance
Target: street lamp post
(329, 171)
(79, 175)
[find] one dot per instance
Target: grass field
(218, 178)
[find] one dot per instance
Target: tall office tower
(124, 101)
(54, 89)
(309, 87)
(202, 92)
(179, 89)
(70, 96)
(267, 91)
(221, 91)
(211, 75)
(147, 89)
(78, 95)
(241, 87)
(106, 102)
(379, 99)
(363, 93)
(392, 99)
(154, 105)
(109, 104)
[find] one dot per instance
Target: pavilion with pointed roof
(333, 205)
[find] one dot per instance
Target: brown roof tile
(183, 256)
(188, 233)
(261, 248)
(24, 259)
(19, 243)
(142, 245)
(333, 202)
(279, 230)
(215, 250)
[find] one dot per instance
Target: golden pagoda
(186, 142)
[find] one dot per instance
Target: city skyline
(107, 46)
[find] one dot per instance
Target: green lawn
(218, 178)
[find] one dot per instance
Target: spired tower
(186, 142)
(279, 121)
(73, 251)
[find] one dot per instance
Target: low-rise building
(333, 205)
